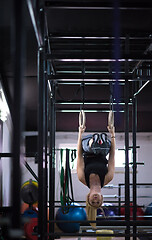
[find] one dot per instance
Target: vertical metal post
(127, 180)
(1, 180)
(116, 29)
(17, 117)
(42, 127)
(52, 159)
(119, 200)
(41, 140)
(46, 163)
(134, 130)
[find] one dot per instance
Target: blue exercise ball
(148, 210)
(75, 213)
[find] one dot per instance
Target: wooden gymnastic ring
(111, 119)
(82, 119)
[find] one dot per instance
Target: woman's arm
(111, 162)
(80, 160)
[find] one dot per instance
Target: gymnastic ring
(82, 119)
(111, 119)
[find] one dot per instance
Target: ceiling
(84, 39)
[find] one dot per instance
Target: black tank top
(96, 164)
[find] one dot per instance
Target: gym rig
(130, 76)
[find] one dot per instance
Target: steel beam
(36, 23)
(73, 37)
(127, 179)
(93, 101)
(141, 88)
(110, 222)
(89, 235)
(134, 130)
(41, 141)
(98, 76)
(96, 57)
(96, 5)
(52, 128)
(17, 117)
(87, 110)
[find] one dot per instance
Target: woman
(94, 170)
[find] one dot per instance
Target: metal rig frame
(47, 77)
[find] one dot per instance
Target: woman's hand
(111, 130)
(82, 129)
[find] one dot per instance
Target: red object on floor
(30, 228)
(139, 212)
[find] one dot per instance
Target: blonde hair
(92, 212)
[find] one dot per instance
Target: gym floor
(94, 238)
(85, 238)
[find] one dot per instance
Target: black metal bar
(87, 82)
(31, 170)
(75, 36)
(138, 184)
(86, 110)
(25, 163)
(127, 180)
(41, 139)
(141, 88)
(97, 80)
(109, 222)
(1, 178)
(134, 130)
(52, 157)
(96, 5)
(95, 57)
(42, 127)
(119, 200)
(88, 234)
(18, 116)
(88, 76)
(116, 206)
(88, 101)
(140, 61)
(69, 174)
(3, 155)
(46, 161)
(35, 22)
(48, 47)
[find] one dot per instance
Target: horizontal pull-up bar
(91, 76)
(95, 5)
(99, 102)
(86, 110)
(95, 57)
(75, 36)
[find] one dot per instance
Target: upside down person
(93, 168)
